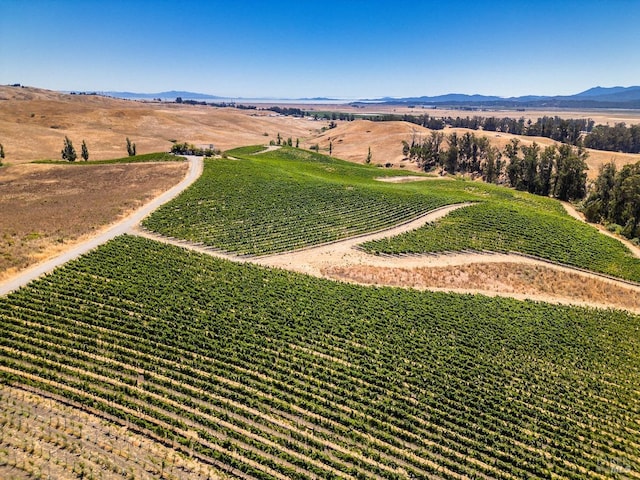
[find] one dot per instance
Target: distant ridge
(170, 95)
(184, 95)
(596, 97)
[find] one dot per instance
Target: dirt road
(124, 226)
(342, 260)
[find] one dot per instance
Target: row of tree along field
(268, 374)
(556, 171)
(574, 131)
(578, 132)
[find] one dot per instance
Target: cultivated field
(270, 374)
(143, 359)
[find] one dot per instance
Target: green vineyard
(282, 200)
(516, 226)
(288, 199)
(274, 375)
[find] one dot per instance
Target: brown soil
(505, 279)
(45, 208)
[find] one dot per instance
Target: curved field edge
(272, 374)
(513, 226)
(287, 199)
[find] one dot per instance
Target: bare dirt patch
(45, 208)
(507, 279)
(409, 178)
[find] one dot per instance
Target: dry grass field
(34, 122)
(509, 279)
(45, 208)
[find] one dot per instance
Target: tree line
(189, 149)
(618, 138)
(69, 154)
(558, 171)
(574, 131)
(615, 199)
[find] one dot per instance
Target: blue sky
(346, 49)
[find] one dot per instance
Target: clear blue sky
(306, 48)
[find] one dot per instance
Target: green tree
(85, 151)
(297, 143)
(451, 156)
(330, 147)
(530, 167)
(545, 170)
(68, 152)
(570, 182)
(131, 148)
(279, 139)
(1, 152)
(369, 156)
(514, 169)
(492, 168)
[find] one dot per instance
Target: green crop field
(288, 199)
(146, 157)
(271, 374)
(517, 225)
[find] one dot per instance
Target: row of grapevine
(270, 374)
(267, 204)
(289, 199)
(511, 226)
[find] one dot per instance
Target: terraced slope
(270, 374)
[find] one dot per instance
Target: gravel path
(123, 226)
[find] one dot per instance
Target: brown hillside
(34, 122)
(350, 141)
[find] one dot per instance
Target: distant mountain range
(170, 95)
(597, 97)
(174, 94)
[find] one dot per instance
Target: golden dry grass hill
(34, 122)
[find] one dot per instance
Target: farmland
(47, 208)
(287, 199)
(201, 367)
(520, 226)
(270, 374)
